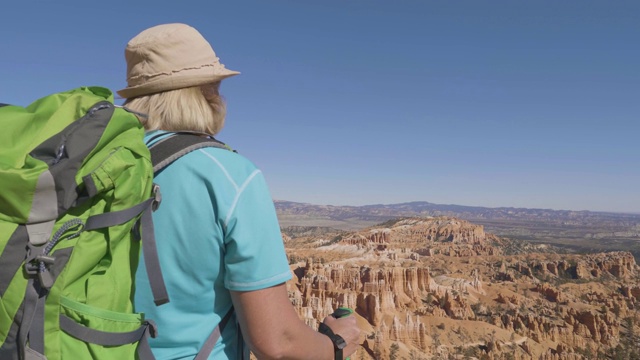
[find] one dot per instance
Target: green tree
(393, 351)
(414, 355)
(587, 352)
(630, 342)
(619, 353)
(436, 340)
(429, 299)
(616, 309)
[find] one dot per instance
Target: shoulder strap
(163, 153)
(170, 149)
(211, 341)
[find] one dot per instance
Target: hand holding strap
(338, 341)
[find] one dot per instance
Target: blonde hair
(199, 108)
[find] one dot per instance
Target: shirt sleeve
(255, 257)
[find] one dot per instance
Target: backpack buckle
(31, 268)
(35, 258)
(34, 267)
(151, 329)
(157, 197)
(46, 259)
(31, 265)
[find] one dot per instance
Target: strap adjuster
(157, 197)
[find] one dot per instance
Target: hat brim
(176, 81)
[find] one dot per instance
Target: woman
(217, 233)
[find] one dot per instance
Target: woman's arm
(273, 330)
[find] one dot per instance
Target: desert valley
(434, 286)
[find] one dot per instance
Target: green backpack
(76, 195)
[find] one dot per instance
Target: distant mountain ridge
(588, 230)
(423, 208)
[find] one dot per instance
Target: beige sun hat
(170, 57)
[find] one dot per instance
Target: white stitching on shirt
(239, 190)
(256, 283)
(221, 167)
(235, 201)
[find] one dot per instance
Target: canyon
(443, 288)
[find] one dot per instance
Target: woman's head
(173, 76)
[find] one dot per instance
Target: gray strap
(144, 349)
(166, 151)
(44, 209)
(12, 257)
(183, 152)
(103, 338)
(151, 260)
(244, 351)
(32, 298)
(30, 354)
(90, 186)
(117, 217)
(149, 248)
(211, 341)
(36, 333)
(39, 233)
(209, 344)
(11, 348)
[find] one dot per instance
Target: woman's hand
(348, 329)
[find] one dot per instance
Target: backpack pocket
(89, 332)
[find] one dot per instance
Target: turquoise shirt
(216, 230)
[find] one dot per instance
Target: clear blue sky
(353, 102)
